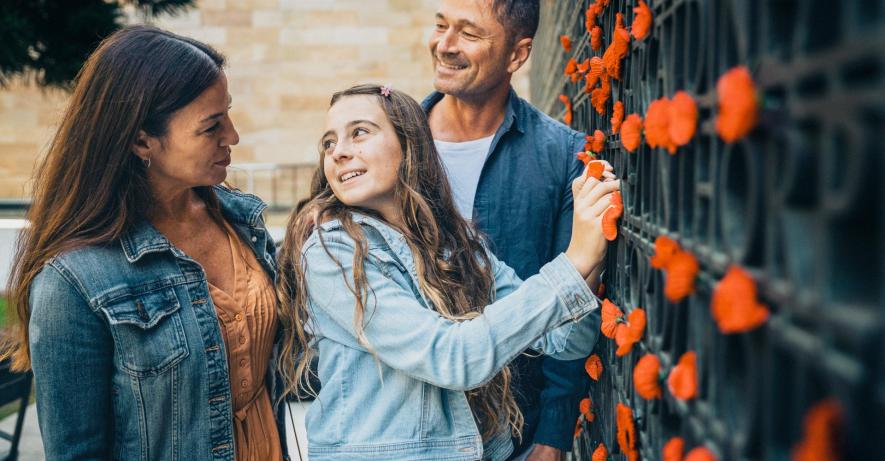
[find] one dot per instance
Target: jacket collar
(237, 208)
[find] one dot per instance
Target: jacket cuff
(569, 286)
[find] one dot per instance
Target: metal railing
(799, 203)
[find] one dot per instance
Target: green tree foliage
(50, 39)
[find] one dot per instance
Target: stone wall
(286, 57)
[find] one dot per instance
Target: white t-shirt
(463, 162)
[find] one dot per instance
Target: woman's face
(362, 155)
(196, 148)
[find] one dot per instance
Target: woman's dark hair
(90, 187)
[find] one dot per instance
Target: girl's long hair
(90, 188)
(453, 270)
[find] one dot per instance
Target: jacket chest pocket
(148, 332)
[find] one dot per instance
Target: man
(510, 167)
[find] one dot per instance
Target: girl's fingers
(602, 188)
(598, 208)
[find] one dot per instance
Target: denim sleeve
(565, 381)
(71, 355)
(572, 340)
(409, 337)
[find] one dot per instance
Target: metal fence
(799, 203)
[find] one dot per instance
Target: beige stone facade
(286, 57)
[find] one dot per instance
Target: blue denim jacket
(523, 204)
(403, 397)
(127, 353)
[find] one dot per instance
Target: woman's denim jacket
(405, 398)
(127, 353)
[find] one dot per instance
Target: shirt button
(242, 339)
(238, 317)
(254, 239)
(243, 363)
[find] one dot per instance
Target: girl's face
(362, 155)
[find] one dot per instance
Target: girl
(414, 320)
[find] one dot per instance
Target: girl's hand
(591, 198)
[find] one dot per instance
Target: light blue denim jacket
(128, 357)
(405, 399)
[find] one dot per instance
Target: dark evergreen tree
(50, 39)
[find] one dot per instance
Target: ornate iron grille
(799, 204)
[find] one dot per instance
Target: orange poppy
(598, 141)
(683, 118)
(567, 118)
(665, 249)
(611, 317)
(673, 449)
(599, 96)
(642, 19)
(700, 454)
(646, 377)
(822, 429)
(596, 38)
(657, 125)
(566, 43)
(630, 332)
(617, 116)
(681, 273)
(593, 366)
(631, 132)
(626, 432)
(610, 217)
(734, 306)
(571, 67)
(600, 453)
(683, 379)
(595, 170)
(586, 407)
(738, 104)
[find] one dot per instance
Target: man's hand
(544, 453)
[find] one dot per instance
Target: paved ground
(31, 447)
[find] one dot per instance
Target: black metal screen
(799, 204)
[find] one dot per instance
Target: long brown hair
(453, 269)
(90, 188)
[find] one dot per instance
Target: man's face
(470, 49)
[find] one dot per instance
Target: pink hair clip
(385, 90)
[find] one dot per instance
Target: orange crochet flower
(631, 132)
(683, 379)
(567, 118)
(571, 67)
(734, 306)
(642, 19)
(617, 116)
(630, 332)
(593, 366)
(700, 454)
(738, 104)
(600, 453)
(598, 141)
(566, 43)
(583, 67)
(646, 377)
(617, 49)
(612, 316)
(665, 249)
(586, 407)
(626, 432)
(611, 215)
(590, 16)
(683, 118)
(596, 38)
(595, 170)
(599, 96)
(681, 273)
(674, 449)
(821, 433)
(657, 125)
(586, 157)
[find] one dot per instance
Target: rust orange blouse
(248, 323)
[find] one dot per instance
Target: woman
(413, 320)
(144, 288)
